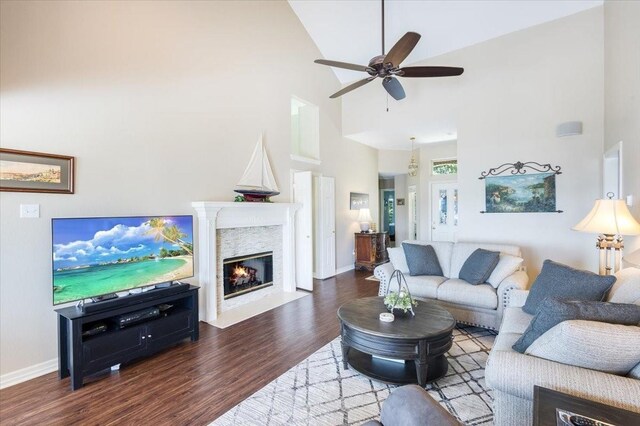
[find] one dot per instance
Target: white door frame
(612, 171)
(412, 205)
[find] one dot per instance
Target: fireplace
(243, 274)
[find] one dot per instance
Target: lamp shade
(364, 216)
(610, 217)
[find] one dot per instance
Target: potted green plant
(399, 303)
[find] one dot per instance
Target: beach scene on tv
(97, 256)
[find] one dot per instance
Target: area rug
(319, 391)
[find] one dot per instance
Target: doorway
(412, 195)
(444, 211)
(389, 213)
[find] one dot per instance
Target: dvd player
(125, 320)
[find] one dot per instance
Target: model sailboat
(257, 182)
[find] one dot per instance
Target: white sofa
(512, 375)
(480, 305)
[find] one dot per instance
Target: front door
(444, 211)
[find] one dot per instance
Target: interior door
(444, 211)
(413, 213)
(325, 236)
(303, 194)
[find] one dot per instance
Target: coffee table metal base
(397, 373)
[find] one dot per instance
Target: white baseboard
(28, 373)
(345, 269)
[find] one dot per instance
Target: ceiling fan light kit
(387, 67)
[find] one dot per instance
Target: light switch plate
(29, 210)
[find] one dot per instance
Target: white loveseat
(512, 375)
(480, 305)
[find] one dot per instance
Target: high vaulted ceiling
(350, 31)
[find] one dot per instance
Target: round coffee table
(408, 350)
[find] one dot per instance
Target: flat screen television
(96, 256)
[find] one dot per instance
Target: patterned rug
(319, 391)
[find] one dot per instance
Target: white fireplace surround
(214, 215)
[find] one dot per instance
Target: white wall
(161, 103)
(517, 89)
(393, 162)
(622, 95)
(429, 153)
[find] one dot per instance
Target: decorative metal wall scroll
(518, 191)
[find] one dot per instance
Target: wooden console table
(547, 402)
(371, 249)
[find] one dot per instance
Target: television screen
(97, 256)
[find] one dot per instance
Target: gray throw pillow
(478, 267)
(553, 311)
(421, 260)
(564, 282)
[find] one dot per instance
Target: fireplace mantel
(213, 215)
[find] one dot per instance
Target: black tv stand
(91, 340)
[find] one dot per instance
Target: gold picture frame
(26, 171)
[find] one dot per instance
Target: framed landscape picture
(24, 171)
(522, 193)
(358, 201)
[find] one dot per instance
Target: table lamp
(364, 217)
(611, 218)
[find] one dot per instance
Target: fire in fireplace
(243, 274)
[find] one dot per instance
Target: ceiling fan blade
(402, 48)
(345, 65)
(352, 86)
(394, 88)
(430, 71)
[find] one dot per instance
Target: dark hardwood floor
(192, 383)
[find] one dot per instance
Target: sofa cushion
(422, 285)
(611, 348)
(515, 320)
(504, 342)
(461, 252)
(506, 266)
(478, 267)
(564, 282)
(553, 311)
(396, 256)
(443, 251)
(459, 291)
(626, 288)
(421, 259)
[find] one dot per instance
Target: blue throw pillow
(478, 267)
(553, 311)
(421, 260)
(564, 282)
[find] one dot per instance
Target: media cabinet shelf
(81, 355)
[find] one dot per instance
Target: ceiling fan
(387, 67)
